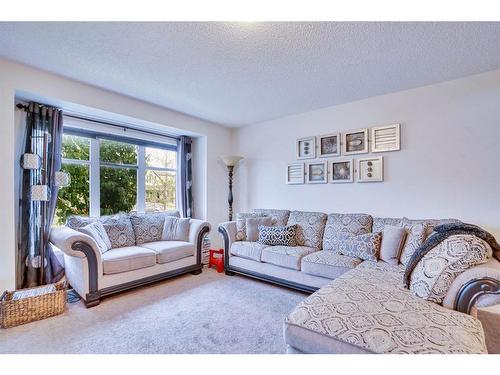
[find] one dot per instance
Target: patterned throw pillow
(310, 228)
(77, 222)
(277, 236)
(241, 224)
(435, 272)
(364, 246)
(119, 229)
(148, 227)
(98, 233)
(353, 224)
(416, 235)
(175, 229)
(253, 223)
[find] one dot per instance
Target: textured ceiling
(241, 73)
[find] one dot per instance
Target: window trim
(95, 164)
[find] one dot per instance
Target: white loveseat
(138, 256)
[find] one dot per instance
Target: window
(111, 176)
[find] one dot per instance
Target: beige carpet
(208, 313)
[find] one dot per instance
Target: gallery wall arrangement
(377, 139)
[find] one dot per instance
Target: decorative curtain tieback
(62, 179)
(31, 161)
(40, 193)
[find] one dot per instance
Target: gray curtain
(36, 217)
(185, 175)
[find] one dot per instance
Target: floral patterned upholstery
(310, 228)
(353, 224)
(279, 217)
(366, 309)
(286, 256)
(328, 264)
(433, 275)
(119, 229)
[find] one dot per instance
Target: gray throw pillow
(98, 233)
(119, 230)
(393, 239)
(175, 229)
(277, 236)
(364, 246)
(253, 223)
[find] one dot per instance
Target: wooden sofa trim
(93, 297)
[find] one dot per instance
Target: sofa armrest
(197, 230)
(478, 285)
(228, 232)
(67, 240)
(88, 271)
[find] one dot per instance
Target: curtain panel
(185, 176)
(43, 137)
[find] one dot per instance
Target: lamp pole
(230, 169)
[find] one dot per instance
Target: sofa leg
(92, 300)
(196, 272)
(229, 273)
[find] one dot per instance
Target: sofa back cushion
(77, 222)
(252, 226)
(310, 228)
(175, 229)
(241, 224)
(279, 217)
(393, 239)
(148, 227)
(119, 229)
(278, 236)
(351, 224)
(436, 271)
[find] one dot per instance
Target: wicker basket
(27, 305)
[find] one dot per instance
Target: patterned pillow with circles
(277, 236)
(435, 272)
(241, 224)
(119, 229)
(364, 246)
(98, 233)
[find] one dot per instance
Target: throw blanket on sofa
(442, 232)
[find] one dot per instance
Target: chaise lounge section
(360, 303)
(138, 257)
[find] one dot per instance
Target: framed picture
(329, 145)
(295, 174)
(386, 138)
(317, 172)
(371, 169)
(306, 148)
(355, 142)
(342, 171)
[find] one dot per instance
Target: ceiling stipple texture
(241, 73)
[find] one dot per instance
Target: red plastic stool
(216, 261)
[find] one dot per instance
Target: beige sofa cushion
(364, 308)
(241, 224)
(393, 239)
(352, 224)
(436, 271)
(127, 259)
(279, 217)
(252, 226)
(310, 228)
(98, 233)
(175, 229)
(286, 256)
(169, 251)
(248, 250)
(328, 264)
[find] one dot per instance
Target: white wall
(449, 165)
(16, 79)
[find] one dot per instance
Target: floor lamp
(230, 162)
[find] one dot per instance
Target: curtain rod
(123, 126)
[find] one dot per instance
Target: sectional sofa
(138, 255)
(363, 306)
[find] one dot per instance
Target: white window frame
(95, 164)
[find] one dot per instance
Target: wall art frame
(355, 142)
(306, 148)
(329, 145)
(386, 138)
(371, 169)
(295, 174)
(342, 171)
(317, 172)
